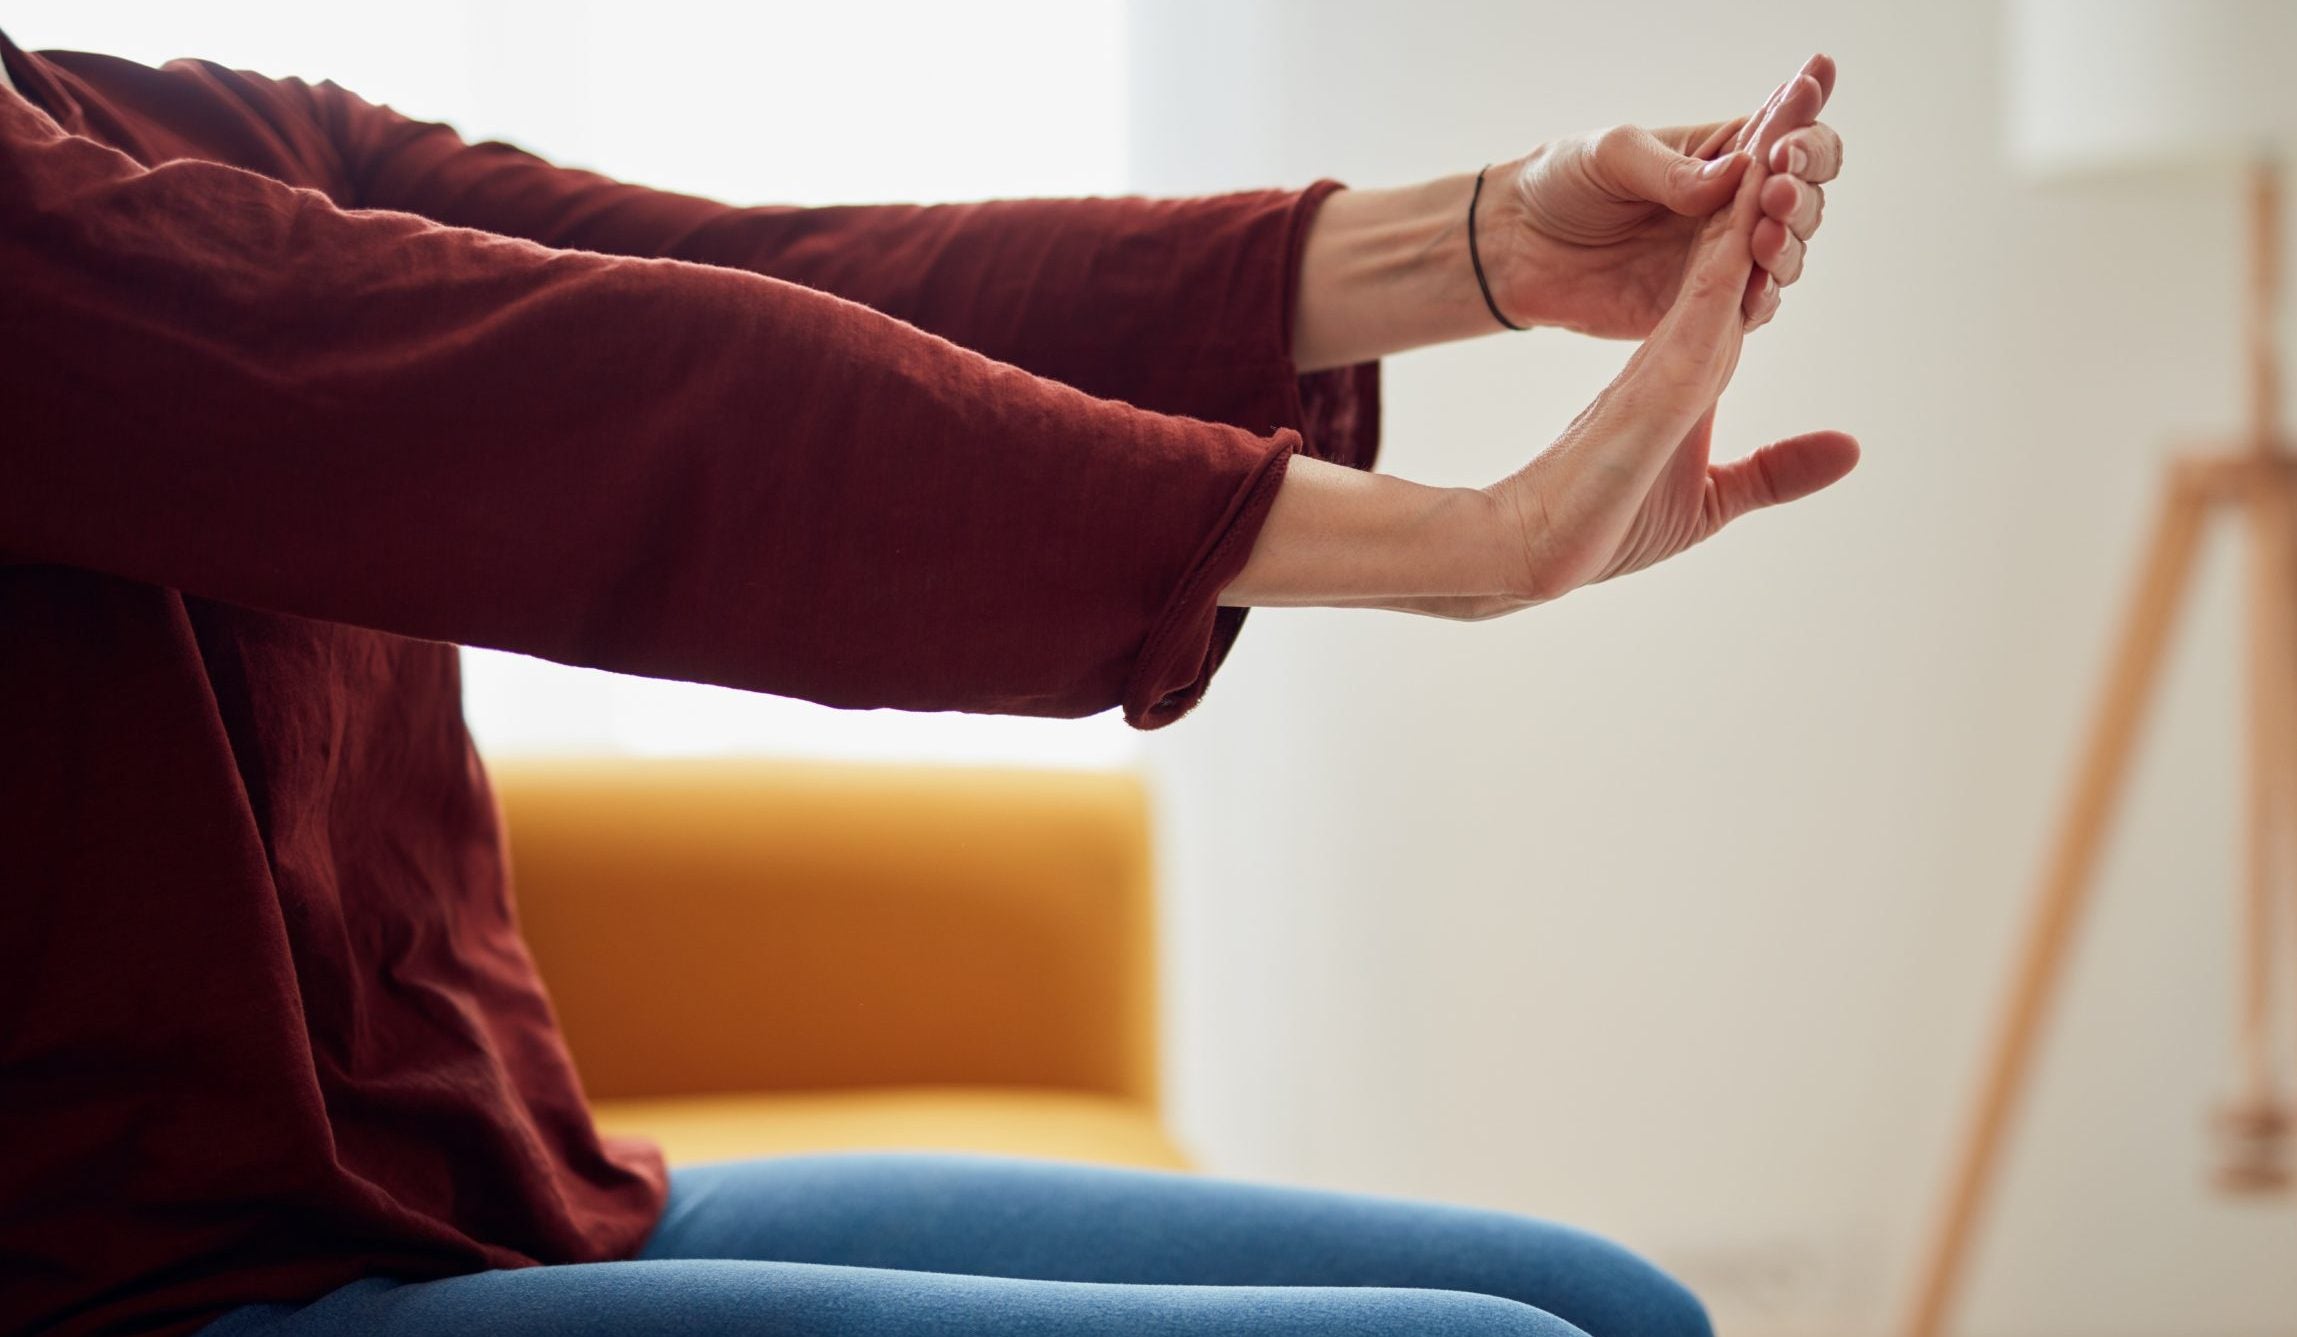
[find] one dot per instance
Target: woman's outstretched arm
(1122, 297)
(235, 389)
(1629, 483)
(1175, 305)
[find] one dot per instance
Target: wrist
(1387, 270)
(1522, 271)
(1495, 245)
(1337, 537)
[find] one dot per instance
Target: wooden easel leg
(2285, 735)
(2285, 740)
(2065, 886)
(2267, 661)
(2280, 726)
(2254, 1124)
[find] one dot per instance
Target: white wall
(1678, 909)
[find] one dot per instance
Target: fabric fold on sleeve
(1332, 415)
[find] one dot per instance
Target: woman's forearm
(1337, 537)
(1386, 270)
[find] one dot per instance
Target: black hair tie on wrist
(1475, 257)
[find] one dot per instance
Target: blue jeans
(936, 1246)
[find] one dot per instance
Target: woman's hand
(1629, 483)
(1589, 233)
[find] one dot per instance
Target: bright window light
(789, 103)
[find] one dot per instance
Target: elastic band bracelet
(1475, 257)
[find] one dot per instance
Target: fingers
(1794, 106)
(1812, 152)
(1781, 472)
(1797, 153)
(1791, 210)
(1761, 300)
(1645, 166)
(1820, 68)
(1791, 207)
(1796, 204)
(1785, 135)
(1779, 251)
(1712, 140)
(1790, 110)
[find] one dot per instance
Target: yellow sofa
(760, 958)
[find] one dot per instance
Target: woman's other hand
(1590, 233)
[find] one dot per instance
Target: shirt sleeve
(225, 385)
(1175, 305)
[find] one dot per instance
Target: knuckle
(1614, 143)
(1765, 468)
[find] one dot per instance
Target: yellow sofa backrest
(727, 926)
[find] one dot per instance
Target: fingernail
(1798, 160)
(1716, 168)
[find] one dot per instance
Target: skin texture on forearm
(1387, 270)
(1338, 537)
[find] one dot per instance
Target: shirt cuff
(1332, 415)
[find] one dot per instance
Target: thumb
(1644, 166)
(1780, 472)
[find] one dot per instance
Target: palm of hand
(1683, 507)
(1597, 521)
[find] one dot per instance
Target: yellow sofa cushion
(724, 926)
(1063, 1125)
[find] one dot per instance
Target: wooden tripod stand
(2256, 479)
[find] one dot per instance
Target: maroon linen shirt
(299, 393)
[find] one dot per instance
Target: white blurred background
(1678, 909)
